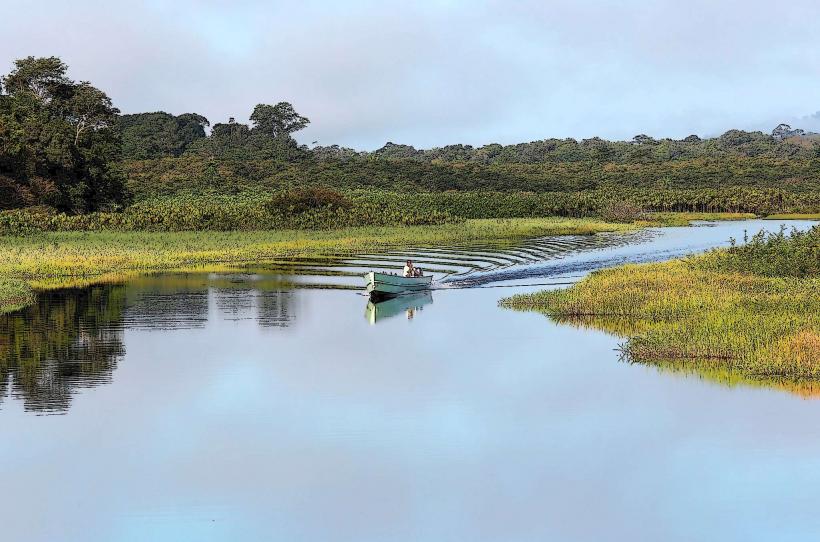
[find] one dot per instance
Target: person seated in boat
(409, 270)
(417, 272)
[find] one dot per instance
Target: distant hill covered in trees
(65, 145)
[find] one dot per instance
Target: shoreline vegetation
(42, 260)
(48, 260)
(793, 216)
(748, 313)
(317, 208)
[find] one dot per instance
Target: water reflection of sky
(466, 423)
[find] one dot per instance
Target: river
(263, 405)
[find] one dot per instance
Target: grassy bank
(14, 294)
(683, 219)
(58, 259)
(794, 216)
(751, 311)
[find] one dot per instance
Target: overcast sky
(439, 72)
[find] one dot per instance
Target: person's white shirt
(408, 271)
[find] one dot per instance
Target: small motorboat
(384, 285)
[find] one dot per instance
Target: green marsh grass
(751, 310)
(14, 294)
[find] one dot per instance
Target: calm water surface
(250, 406)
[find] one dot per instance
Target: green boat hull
(382, 285)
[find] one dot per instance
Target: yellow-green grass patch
(793, 216)
(676, 313)
(683, 219)
(59, 259)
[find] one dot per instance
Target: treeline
(641, 149)
(148, 136)
(155, 136)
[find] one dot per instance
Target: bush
(621, 211)
(771, 255)
(302, 200)
(27, 220)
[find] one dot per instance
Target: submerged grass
(58, 259)
(751, 311)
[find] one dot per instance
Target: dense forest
(65, 146)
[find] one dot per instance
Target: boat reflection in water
(407, 304)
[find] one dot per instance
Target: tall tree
(45, 78)
(277, 121)
(190, 127)
(89, 109)
(57, 144)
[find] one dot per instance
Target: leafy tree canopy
(277, 121)
(57, 143)
(156, 135)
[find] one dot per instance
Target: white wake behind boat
(380, 285)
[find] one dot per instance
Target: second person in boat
(412, 271)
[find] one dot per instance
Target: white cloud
(432, 73)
